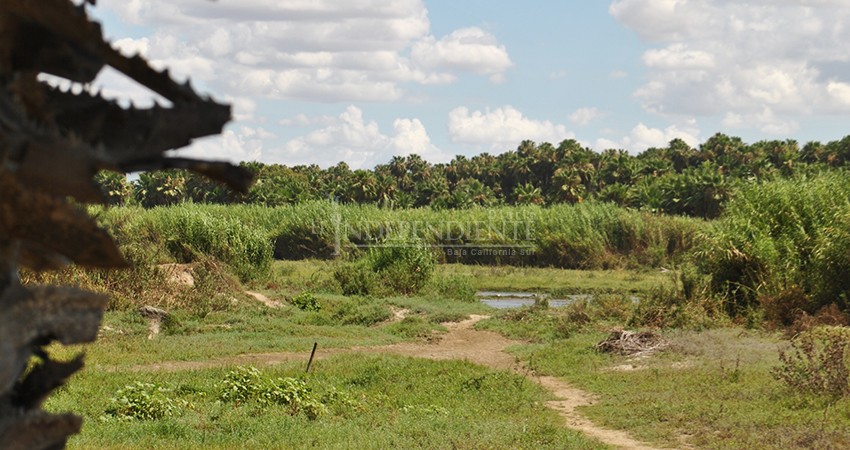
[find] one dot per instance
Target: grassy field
(375, 401)
(365, 401)
(710, 388)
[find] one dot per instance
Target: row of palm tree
(676, 179)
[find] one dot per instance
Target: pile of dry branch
(631, 343)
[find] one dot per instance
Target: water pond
(508, 300)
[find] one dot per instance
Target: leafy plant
(247, 384)
(144, 401)
(306, 301)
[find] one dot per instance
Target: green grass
(246, 237)
(557, 281)
(711, 388)
(393, 402)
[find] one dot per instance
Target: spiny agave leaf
(53, 224)
(37, 430)
(238, 178)
(126, 134)
(36, 257)
(36, 316)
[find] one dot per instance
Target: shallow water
(508, 300)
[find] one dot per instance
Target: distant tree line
(676, 179)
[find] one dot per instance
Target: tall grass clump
(781, 236)
(401, 264)
(189, 230)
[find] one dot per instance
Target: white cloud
(466, 49)
(642, 137)
(322, 50)
(583, 116)
(677, 56)
(361, 143)
(235, 144)
(756, 64)
(839, 91)
(765, 121)
(501, 129)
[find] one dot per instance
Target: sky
(361, 81)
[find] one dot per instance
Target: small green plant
(306, 301)
(247, 384)
(240, 385)
(818, 362)
(144, 401)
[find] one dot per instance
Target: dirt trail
(460, 342)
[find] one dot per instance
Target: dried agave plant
(52, 143)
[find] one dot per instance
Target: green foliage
(189, 230)
(114, 186)
(306, 301)
(397, 265)
(781, 235)
(818, 362)
(164, 187)
(683, 304)
(403, 264)
(454, 287)
(675, 179)
(356, 278)
(144, 401)
(247, 384)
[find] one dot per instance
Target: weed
(144, 401)
(306, 301)
(356, 278)
(247, 384)
(818, 362)
(454, 287)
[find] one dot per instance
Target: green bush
(452, 287)
(356, 278)
(144, 401)
(247, 384)
(306, 301)
(412, 327)
(405, 264)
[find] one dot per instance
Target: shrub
(403, 264)
(818, 362)
(144, 401)
(684, 305)
(411, 327)
(247, 384)
(779, 235)
(306, 301)
(356, 278)
(364, 313)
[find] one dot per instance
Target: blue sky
(319, 81)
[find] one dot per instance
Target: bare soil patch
(264, 300)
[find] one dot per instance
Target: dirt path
(460, 342)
